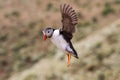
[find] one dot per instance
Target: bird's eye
(48, 31)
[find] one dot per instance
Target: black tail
(75, 53)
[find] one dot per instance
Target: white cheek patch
(43, 32)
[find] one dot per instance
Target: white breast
(58, 40)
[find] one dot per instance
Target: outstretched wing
(69, 18)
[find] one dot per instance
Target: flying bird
(62, 37)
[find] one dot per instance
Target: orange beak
(44, 37)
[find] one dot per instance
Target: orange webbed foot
(69, 57)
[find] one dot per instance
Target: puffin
(61, 38)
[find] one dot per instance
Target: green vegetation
(2, 51)
(117, 1)
(107, 9)
(12, 14)
(112, 38)
(98, 45)
(15, 13)
(101, 77)
(19, 46)
(94, 20)
(49, 6)
(32, 24)
(31, 77)
(3, 37)
(80, 15)
(84, 24)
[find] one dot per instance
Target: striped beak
(44, 37)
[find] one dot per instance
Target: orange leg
(69, 57)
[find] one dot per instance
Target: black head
(48, 32)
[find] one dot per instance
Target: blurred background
(25, 56)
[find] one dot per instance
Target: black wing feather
(67, 36)
(69, 18)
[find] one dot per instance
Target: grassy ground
(21, 22)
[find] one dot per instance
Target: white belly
(58, 40)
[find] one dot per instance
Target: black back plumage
(69, 21)
(67, 36)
